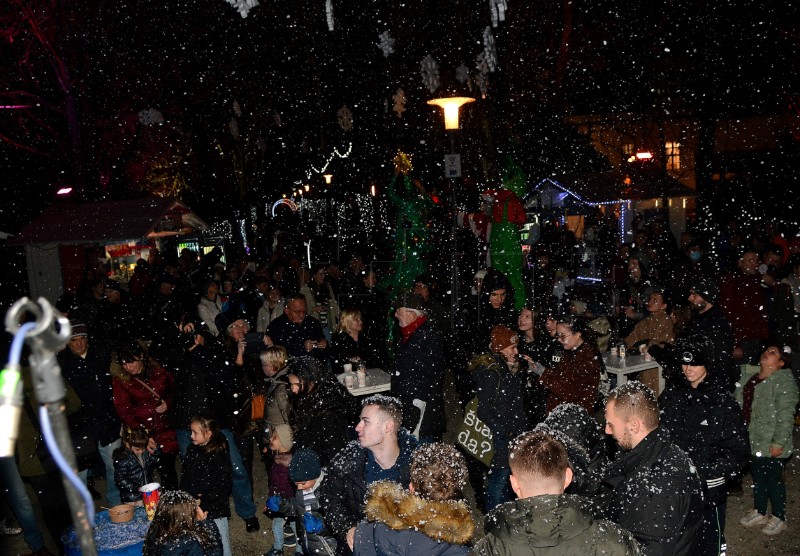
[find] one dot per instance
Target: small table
(622, 367)
(113, 539)
(378, 380)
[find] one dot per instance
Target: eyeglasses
(238, 326)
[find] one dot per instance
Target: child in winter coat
(281, 443)
(207, 474)
(431, 517)
(134, 462)
(306, 473)
(180, 528)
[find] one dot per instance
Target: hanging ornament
(489, 49)
(399, 99)
(498, 10)
(345, 118)
(482, 77)
(243, 6)
(429, 69)
(233, 125)
(386, 43)
(402, 162)
(329, 13)
(276, 117)
(462, 73)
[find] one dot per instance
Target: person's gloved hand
(274, 503)
(312, 523)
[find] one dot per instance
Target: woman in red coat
(142, 397)
(576, 377)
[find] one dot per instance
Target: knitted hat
(305, 466)
(706, 288)
(694, 356)
(411, 301)
(78, 329)
(502, 337)
(284, 433)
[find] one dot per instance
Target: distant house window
(673, 151)
(627, 149)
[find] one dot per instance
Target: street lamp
(450, 106)
(328, 178)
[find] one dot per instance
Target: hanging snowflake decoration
(345, 118)
(429, 69)
(489, 49)
(276, 117)
(329, 13)
(482, 77)
(386, 44)
(462, 73)
(399, 100)
(498, 10)
(150, 116)
(243, 6)
(237, 109)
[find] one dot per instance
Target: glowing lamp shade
(307, 187)
(450, 106)
(64, 191)
(328, 178)
(645, 155)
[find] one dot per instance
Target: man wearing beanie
(418, 380)
(708, 320)
(500, 382)
(305, 509)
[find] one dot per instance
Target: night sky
(89, 67)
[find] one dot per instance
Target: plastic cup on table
(151, 492)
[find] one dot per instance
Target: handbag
(257, 404)
(474, 435)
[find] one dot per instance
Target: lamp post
(450, 107)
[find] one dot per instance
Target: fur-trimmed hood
(444, 521)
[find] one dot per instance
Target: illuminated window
(673, 151)
(627, 149)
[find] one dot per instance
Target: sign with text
(452, 165)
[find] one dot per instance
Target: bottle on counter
(622, 351)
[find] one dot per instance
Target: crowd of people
(195, 371)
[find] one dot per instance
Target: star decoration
(402, 162)
(462, 73)
(345, 118)
(399, 99)
(429, 68)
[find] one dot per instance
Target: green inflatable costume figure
(508, 216)
(411, 245)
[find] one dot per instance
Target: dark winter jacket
(344, 488)
(90, 377)
(321, 419)
(575, 379)
(187, 544)
(207, 477)
(706, 422)
(343, 348)
(713, 325)
(500, 403)
(401, 523)
(130, 473)
(656, 495)
(551, 525)
(284, 332)
(296, 507)
(419, 374)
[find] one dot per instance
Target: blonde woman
(273, 364)
(346, 344)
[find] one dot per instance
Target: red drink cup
(151, 492)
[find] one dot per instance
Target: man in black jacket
(381, 453)
(88, 371)
(419, 369)
(707, 422)
(656, 491)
